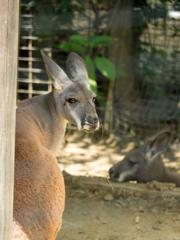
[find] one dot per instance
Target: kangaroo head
(143, 164)
(74, 101)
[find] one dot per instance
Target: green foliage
(81, 46)
(144, 43)
(91, 73)
(106, 67)
(95, 41)
(93, 85)
(175, 31)
(72, 47)
(90, 67)
(175, 54)
(132, 132)
(92, 42)
(78, 39)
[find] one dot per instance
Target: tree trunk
(122, 52)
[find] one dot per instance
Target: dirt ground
(99, 209)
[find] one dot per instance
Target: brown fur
(145, 164)
(38, 187)
(39, 192)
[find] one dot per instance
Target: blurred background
(131, 49)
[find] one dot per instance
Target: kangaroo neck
(52, 124)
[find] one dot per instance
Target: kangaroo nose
(111, 171)
(95, 120)
(91, 120)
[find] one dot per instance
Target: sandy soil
(98, 209)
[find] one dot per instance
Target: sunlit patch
(87, 158)
(18, 231)
(70, 225)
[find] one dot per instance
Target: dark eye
(72, 100)
(94, 99)
(132, 163)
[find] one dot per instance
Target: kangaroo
(39, 192)
(145, 163)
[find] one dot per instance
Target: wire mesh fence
(145, 49)
(154, 100)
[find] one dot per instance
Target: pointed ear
(76, 68)
(158, 143)
(55, 73)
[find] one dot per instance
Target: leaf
(90, 67)
(91, 73)
(102, 40)
(96, 40)
(72, 47)
(156, 24)
(64, 46)
(75, 47)
(132, 132)
(106, 67)
(144, 43)
(93, 85)
(90, 41)
(78, 39)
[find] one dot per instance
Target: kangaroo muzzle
(114, 175)
(90, 123)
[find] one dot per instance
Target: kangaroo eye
(94, 99)
(72, 100)
(132, 163)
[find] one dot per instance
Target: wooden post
(9, 31)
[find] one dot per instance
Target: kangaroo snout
(111, 171)
(91, 123)
(114, 175)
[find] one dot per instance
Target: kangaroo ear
(157, 144)
(76, 68)
(55, 73)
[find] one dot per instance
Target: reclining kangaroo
(145, 163)
(41, 122)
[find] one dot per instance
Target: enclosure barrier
(9, 21)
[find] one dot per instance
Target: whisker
(109, 183)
